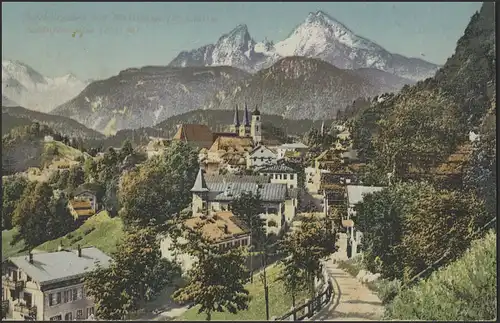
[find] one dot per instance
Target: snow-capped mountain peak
(32, 90)
(318, 36)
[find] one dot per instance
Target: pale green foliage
(465, 290)
(217, 279)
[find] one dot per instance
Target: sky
(115, 36)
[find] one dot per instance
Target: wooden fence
(311, 307)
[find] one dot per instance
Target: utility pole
(264, 281)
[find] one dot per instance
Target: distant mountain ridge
(142, 97)
(302, 88)
(319, 36)
(16, 116)
(24, 86)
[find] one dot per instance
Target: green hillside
(99, 231)
(7, 249)
(463, 291)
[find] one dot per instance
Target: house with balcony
(49, 285)
(214, 196)
(222, 228)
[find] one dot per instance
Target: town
(384, 211)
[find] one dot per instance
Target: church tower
(245, 126)
(235, 127)
(256, 128)
(200, 194)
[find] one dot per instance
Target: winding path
(352, 299)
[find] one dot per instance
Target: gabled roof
(199, 134)
(277, 169)
(214, 227)
(264, 147)
(356, 193)
(51, 267)
(235, 144)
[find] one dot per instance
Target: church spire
(246, 119)
(200, 185)
(236, 120)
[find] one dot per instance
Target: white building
(294, 147)
(280, 174)
(49, 286)
(355, 195)
(279, 203)
(261, 156)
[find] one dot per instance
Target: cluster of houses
(48, 286)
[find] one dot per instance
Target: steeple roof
(236, 120)
(256, 112)
(200, 185)
(246, 119)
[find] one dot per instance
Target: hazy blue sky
(40, 34)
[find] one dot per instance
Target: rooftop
(269, 192)
(237, 178)
(196, 133)
(214, 227)
(232, 144)
(356, 193)
(295, 145)
(58, 266)
(277, 169)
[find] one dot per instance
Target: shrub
(465, 290)
(272, 223)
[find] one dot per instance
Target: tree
(216, 282)
(438, 222)
(307, 247)
(248, 207)
(63, 182)
(76, 177)
(90, 169)
(136, 275)
(380, 218)
(12, 190)
(111, 200)
(160, 188)
(126, 149)
(39, 217)
(32, 214)
(293, 278)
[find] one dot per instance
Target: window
(68, 316)
(74, 294)
(291, 176)
(66, 296)
(56, 318)
(284, 176)
(90, 311)
(28, 278)
(50, 300)
(58, 298)
(79, 314)
(19, 274)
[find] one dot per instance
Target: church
(225, 151)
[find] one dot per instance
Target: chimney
(79, 251)
(31, 257)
